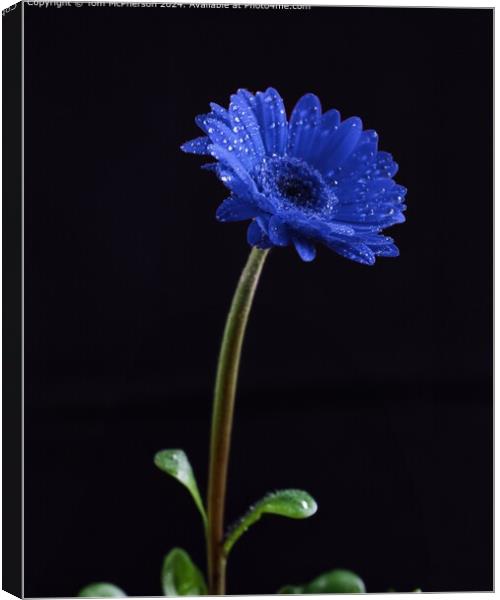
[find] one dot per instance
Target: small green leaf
(176, 464)
(338, 581)
(291, 589)
(180, 576)
(294, 504)
(101, 590)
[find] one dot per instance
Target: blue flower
(314, 179)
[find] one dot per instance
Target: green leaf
(180, 576)
(338, 581)
(291, 589)
(176, 464)
(101, 590)
(294, 504)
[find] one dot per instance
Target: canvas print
(255, 287)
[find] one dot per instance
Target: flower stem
(222, 416)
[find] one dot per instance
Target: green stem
(222, 416)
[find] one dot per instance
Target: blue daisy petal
(318, 229)
(235, 209)
(238, 186)
(341, 145)
(305, 249)
(220, 112)
(329, 123)
(359, 252)
(201, 121)
(222, 135)
(271, 116)
(384, 165)
(388, 251)
(249, 97)
(371, 213)
(197, 146)
(213, 166)
(257, 237)
(314, 180)
(305, 118)
(244, 123)
(361, 159)
(278, 232)
(231, 161)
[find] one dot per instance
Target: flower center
(296, 184)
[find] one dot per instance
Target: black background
(370, 387)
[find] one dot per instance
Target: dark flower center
(296, 184)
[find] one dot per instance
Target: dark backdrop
(368, 386)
